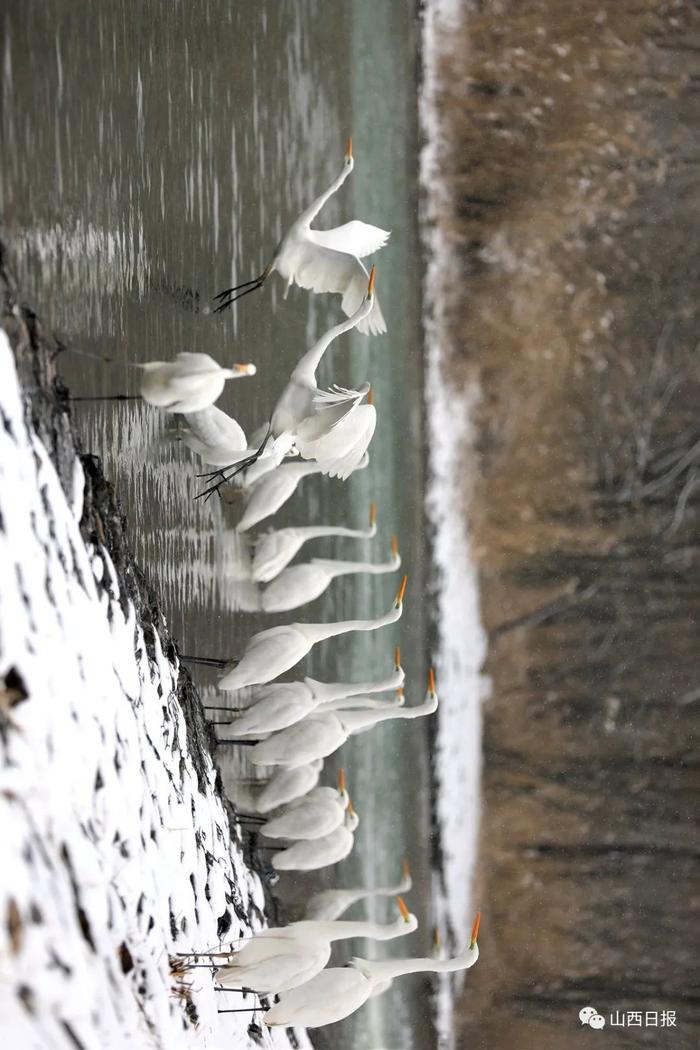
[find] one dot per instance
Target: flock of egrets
(293, 726)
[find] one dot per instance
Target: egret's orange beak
(372, 275)
(394, 547)
(437, 940)
(399, 692)
(397, 657)
(431, 682)
(405, 913)
(401, 591)
(405, 869)
(373, 514)
(370, 396)
(341, 780)
(248, 369)
(475, 929)
(348, 148)
(351, 808)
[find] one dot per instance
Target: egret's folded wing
(195, 362)
(355, 238)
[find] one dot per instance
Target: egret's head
(475, 933)
(398, 601)
(248, 369)
(373, 515)
(406, 880)
(400, 697)
(351, 818)
(342, 787)
(395, 549)
(371, 282)
(431, 685)
(348, 161)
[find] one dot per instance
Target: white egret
(336, 993)
(282, 704)
(331, 904)
(310, 855)
(189, 383)
(217, 438)
(288, 784)
(323, 260)
(302, 583)
(320, 734)
(330, 427)
(284, 957)
(270, 653)
(275, 550)
(318, 813)
(272, 491)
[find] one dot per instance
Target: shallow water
(151, 154)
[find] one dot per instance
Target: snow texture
(115, 855)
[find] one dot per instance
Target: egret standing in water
(323, 260)
(270, 653)
(331, 427)
(302, 583)
(336, 993)
(283, 957)
(275, 550)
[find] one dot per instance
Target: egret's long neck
(318, 632)
(310, 532)
(308, 216)
(356, 720)
(388, 969)
(346, 568)
(312, 358)
(343, 931)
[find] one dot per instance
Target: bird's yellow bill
(370, 396)
(351, 808)
(372, 277)
(341, 780)
(475, 929)
(373, 513)
(437, 940)
(431, 681)
(401, 591)
(348, 148)
(397, 657)
(405, 869)
(247, 369)
(394, 546)
(399, 691)
(405, 913)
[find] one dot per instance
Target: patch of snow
(113, 858)
(461, 638)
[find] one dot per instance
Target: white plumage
(188, 384)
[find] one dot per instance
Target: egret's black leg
(243, 743)
(237, 287)
(108, 397)
(239, 468)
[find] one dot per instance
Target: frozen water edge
(115, 854)
(461, 640)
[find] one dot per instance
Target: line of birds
(293, 726)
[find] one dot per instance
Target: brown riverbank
(574, 177)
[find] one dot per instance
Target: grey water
(152, 155)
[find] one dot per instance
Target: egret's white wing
(323, 269)
(187, 363)
(355, 238)
(340, 450)
(213, 427)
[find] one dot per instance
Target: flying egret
(282, 704)
(330, 427)
(302, 583)
(323, 260)
(270, 653)
(331, 904)
(310, 817)
(284, 957)
(320, 734)
(188, 384)
(287, 784)
(336, 993)
(310, 855)
(275, 550)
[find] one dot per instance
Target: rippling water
(152, 154)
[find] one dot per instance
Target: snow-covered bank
(461, 641)
(117, 849)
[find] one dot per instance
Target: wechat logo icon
(590, 1016)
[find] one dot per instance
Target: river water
(151, 154)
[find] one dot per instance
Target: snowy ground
(461, 641)
(116, 848)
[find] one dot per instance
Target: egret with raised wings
(323, 260)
